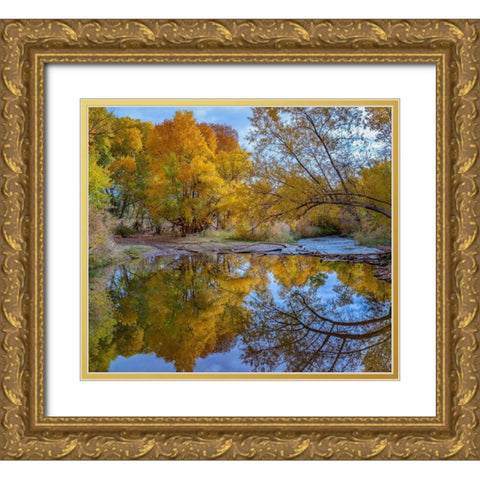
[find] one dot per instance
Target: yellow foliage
(98, 182)
(191, 184)
(123, 172)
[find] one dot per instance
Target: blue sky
(236, 117)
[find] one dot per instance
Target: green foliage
(118, 147)
(124, 230)
(101, 327)
(98, 182)
(134, 252)
(217, 234)
(100, 134)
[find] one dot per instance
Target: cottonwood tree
(183, 185)
(197, 175)
(307, 157)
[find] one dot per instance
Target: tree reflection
(300, 332)
(282, 313)
(187, 309)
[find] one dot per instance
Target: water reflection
(239, 313)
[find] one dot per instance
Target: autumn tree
(227, 137)
(316, 165)
(117, 163)
(100, 134)
(99, 183)
(183, 181)
(234, 166)
(311, 157)
(194, 175)
(129, 169)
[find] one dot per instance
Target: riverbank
(332, 249)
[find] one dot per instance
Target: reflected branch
(304, 332)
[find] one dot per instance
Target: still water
(239, 313)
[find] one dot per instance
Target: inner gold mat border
(232, 102)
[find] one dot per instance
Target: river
(211, 312)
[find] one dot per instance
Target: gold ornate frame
(26, 46)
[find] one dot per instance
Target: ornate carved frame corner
(27, 46)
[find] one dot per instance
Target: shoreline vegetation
(130, 248)
(181, 186)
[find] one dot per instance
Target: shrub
(348, 225)
(216, 234)
(304, 228)
(101, 246)
(243, 232)
(133, 252)
(371, 238)
(124, 230)
(277, 232)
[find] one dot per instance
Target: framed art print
(239, 239)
